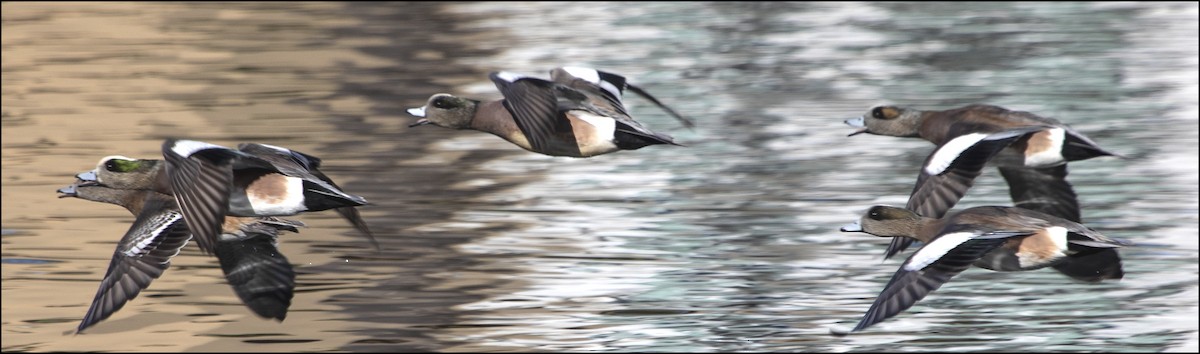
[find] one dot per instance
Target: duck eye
(119, 165)
(886, 112)
(442, 103)
(876, 213)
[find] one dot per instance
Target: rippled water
(727, 244)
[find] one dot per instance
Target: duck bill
(419, 122)
(857, 123)
(852, 227)
(417, 112)
(89, 176)
(86, 179)
(68, 191)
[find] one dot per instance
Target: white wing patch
(949, 152)
(510, 77)
(280, 149)
(936, 249)
(593, 76)
(186, 148)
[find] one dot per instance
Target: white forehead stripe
(936, 249)
(186, 148)
(113, 157)
(417, 112)
(944, 156)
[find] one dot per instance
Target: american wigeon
(211, 181)
(258, 273)
(1030, 151)
(991, 237)
(577, 113)
(305, 166)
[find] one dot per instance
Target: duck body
(1051, 145)
(992, 237)
(209, 182)
(257, 272)
(579, 112)
(1030, 151)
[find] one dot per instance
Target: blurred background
(728, 244)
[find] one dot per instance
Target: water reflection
(728, 244)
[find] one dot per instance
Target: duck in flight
(1030, 151)
(579, 112)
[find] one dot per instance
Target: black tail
(630, 139)
(638, 90)
(351, 215)
(1093, 267)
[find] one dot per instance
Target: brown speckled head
(445, 110)
(888, 120)
(120, 172)
(887, 221)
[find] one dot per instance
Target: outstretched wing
(950, 171)
(1042, 189)
(258, 273)
(533, 104)
(927, 269)
(142, 255)
(201, 176)
(611, 87)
